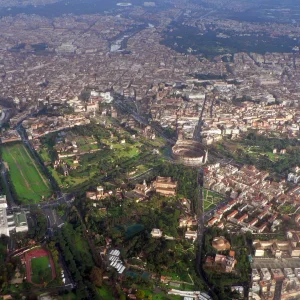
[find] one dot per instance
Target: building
(277, 247)
(91, 195)
(265, 274)
(255, 275)
(4, 230)
(288, 272)
(242, 218)
(220, 243)
(3, 216)
(212, 221)
(65, 170)
(277, 274)
(165, 186)
(187, 222)
(232, 215)
(255, 289)
(14, 222)
(3, 202)
(189, 152)
(221, 225)
(100, 191)
(92, 107)
(262, 227)
(297, 272)
(115, 261)
(230, 262)
(10, 136)
(262, 215)
(156, 233)
(20, 222)
(107, 97)
(142, 189)
(191, 235)
(253, 222)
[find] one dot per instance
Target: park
(211, 199)
(29, 184)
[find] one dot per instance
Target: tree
(122, 297)
(140, 294)
(96, 276)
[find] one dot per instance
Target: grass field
(29, 183)
(105, 292)
(211, 199)
(41, 270)
(287, 209)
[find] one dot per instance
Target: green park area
(78, 242)
(263, 152)
(93, 153)
(220, 278)
(211, 199)
(105, 292)
(29, 184)
(287, 209)
(41, 270)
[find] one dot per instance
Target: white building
(156, 233)
(265, 274)
(297, 272)
(20, 221)
(3, 217)
(3, 202)
(293, 178)
(15, 222)
(3, 222)
(95, 93)
(255, 275)
(191, 235)
(115, 261)
(107, 97)
(288, 272)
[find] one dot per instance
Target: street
(68, 281)
(201, 231)
(53, 219)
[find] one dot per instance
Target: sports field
(39, 267)
(28, 180)
(41, 270)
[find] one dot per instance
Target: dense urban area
(149, 149)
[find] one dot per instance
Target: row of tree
(79, 261)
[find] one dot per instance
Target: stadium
(189, 152)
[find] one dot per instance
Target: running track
(34, 254)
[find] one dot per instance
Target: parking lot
(274, 263)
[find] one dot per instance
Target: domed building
(220, 243)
